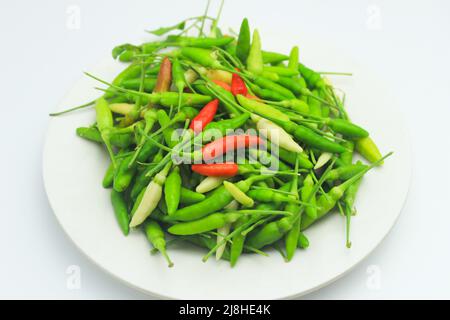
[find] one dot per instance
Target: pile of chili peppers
(187, 125)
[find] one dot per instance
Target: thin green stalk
(88, 104)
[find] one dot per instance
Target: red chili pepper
(238, 85)
(205, 116)
(222, 84)
(164, 76)
(228, 169)
(225, 144)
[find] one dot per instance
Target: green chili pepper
(269, 75)
(243, 43)
(273, 57)
(211, 222)
(312, 78)
(270, 233)
(263, 195)
(303, 241)
(293, 59)
(315, 106)
(255, 62)
(164, 121)
(127, 168)
(118, 140)
(155, 236)
(216, 201)
(292, 84)
(238, 240)
(271, 85)
(307, 189)
(327, 201)
(264, 110)
(199, 42)
(311, 138)
(130, 72)
(121, 211)
(290, 157)
(108, 178)
(105, 125)
(346, 128)
(293, 234)
(178, 79)
(345, 172)
(368, 149)
(172, 190)
(281, 71)
(350, 194)
(347, 156)
(265, 93)
(227, 125)
(134, 84)
(124, 174)
(203, 57)
(294, 104)
(154, 70)
(190, 197)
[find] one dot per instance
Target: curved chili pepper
(238, 85)
(164, 76)
(228, 169)
(205, 116)
(223, 145)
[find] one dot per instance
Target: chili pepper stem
(166, 256)
(335, 73)
(88, 104)
(348, 216)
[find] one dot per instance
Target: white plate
(73, 170)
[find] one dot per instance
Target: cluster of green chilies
(211, 85)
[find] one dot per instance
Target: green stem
(204, 18)
(336, 73)
(88, 104)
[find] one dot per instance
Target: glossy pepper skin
(190, 197)
(228, 124)
(243, 43)
(216, 201)
(238, 85)
(229, 169)
(311, 138)
(172, 190)
(255, 62)
(203, 57)
(368, 149)
(118, 140)
(226, 144)
(205, 116)
(121, 211)
(164, 78)
(155, 236)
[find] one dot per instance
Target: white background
(42, 55)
